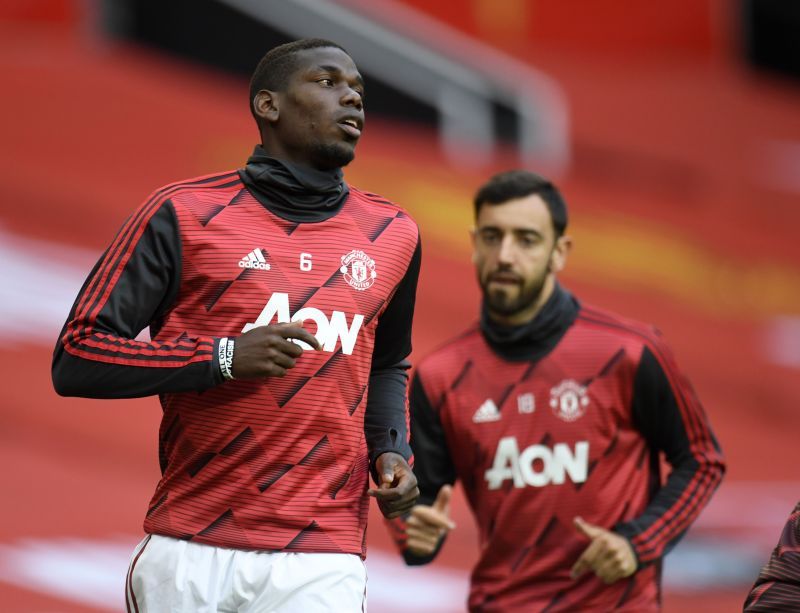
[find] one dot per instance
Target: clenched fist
(268, 351)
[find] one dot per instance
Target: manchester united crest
(358, 270)
(569, 400)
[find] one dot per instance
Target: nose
(352, 98)
(505, 252)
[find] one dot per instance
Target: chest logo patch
(486, 412)
(569, 400)
(526, 403)
(255, 260)
(358, 269)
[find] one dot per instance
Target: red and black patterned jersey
(571, 427)
(777, 588)
(278, 464)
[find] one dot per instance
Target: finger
(409, 498)
(442, 502)
(609, 575)
(414, 520)
(426, 535)
(611, 554)
(285, 347)
(280, 359)
(419, 539)
(421, 547)
(418, 551)
(587, 559)
(293, 331)
(390, 513)
(385, 494)
(385, 466)
(389, 483)
(388, 479)
(617, 562)
(578, 570)
(608, 570)
(406, 483)
(580, 567)
(432, 517)
(587, 529)
(404, 503)
(396, 509)
(273, 370)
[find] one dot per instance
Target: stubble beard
(330, 156)
(499, 303)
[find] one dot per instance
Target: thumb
(589, 530)
(442, 502)
(387, 476)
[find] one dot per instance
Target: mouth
(351, 126)
(504, 279)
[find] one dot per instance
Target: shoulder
(592, 317)
(378, 205)
(217, 186)
(632, 332)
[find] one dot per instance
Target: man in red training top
(279, 301)
(553, 415)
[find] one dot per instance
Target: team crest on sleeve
(569, 400)
(358, 270)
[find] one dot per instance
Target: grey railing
(465, 92)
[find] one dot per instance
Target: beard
(330, 156)
(500, 303)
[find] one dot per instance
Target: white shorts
(168, 575)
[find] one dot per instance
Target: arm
(133, 285)
(420, 536)
(386, 417)
(778, 583)
(671, 418)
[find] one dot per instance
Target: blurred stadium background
(673, 128)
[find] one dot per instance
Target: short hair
(514, 184)
(279, 63)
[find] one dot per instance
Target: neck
(532, 339)
(281, 154)
(292, 191)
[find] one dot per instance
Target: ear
(266, 105)
(473, 237)
(558, 257)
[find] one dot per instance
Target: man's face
(321, 112)
(516, 255)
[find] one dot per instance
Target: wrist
(225, 354)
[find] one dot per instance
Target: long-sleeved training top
(565, 416)
(273, 464)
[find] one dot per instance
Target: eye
(326, 82)
(490, 238)
(528, 240)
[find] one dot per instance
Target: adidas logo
(486, 412)
(254, 259)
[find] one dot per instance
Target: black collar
(293, 192)
(536, 338)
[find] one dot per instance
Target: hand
(266, 351)
(427, 525)
(397, 491)
(609, 555)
